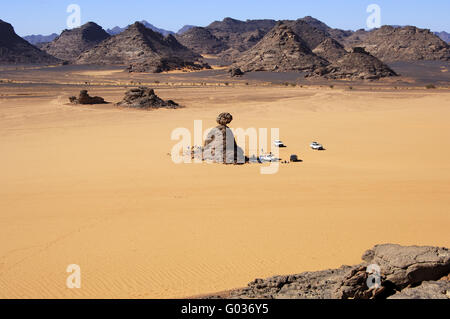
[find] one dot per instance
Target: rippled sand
(94, 186)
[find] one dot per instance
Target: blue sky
(48, 16)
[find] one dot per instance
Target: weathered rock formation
(280, 50)
(220, 145)
(143, 50)
(85, 98)
(15, 50)
(71, 43)
(145, 98)
(355, 65)
(405, 272)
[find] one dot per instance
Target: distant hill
(185, 29)
(444, 36)
(117, 30)
(71, 43)
(16, 50)
(143, 50)
(35, 39)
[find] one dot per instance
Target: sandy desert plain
(95, 186)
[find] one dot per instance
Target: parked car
(279, 143)
(316, 146)
(293, 158)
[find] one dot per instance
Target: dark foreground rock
(145, 98)
(85, 98)
(427, 290)
(406, 272)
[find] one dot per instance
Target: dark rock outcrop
(357, 65)
(71, 43)
(15, 50)
(85, 98)
(143, 50)
(145, 98)
(406, 272)
(280, 50)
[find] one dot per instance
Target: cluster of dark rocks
(140, 98)
(418, 272)
(145, 98)
(85, 98)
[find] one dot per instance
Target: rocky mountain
(185, 29)
(280, 50)
(35, 39)
(357, 65)
(117, 30)
(444, 36)
(71, 43)
(143, 50)
(391, 44)
(202, 41)
(16, 50)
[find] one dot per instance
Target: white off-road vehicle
(316, 146)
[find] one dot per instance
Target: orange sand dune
(94, 186)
